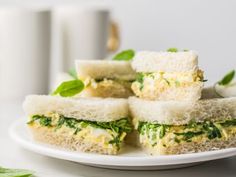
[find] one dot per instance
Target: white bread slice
(100, 69)
(146, 61)
(67, 141)
(193, 147)
(92, 109)
(182, 112)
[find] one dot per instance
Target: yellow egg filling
(107, 134)
(158, 135)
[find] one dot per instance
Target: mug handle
(113, 42)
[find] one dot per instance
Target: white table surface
(11, 155)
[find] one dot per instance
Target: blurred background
(38, 40)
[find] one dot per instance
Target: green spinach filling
(117, 127)
(209, 129)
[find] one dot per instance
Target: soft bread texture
(92, 109)
(99, 69)
(146, 61)
(185, 93)
(66, 141)
(193, 147)
(182, 112)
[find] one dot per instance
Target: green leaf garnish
(73, 73)
(6, 172)
(172, 50)
(227, 78)
(125, 55)
(69, 88)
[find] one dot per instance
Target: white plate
(131, 158)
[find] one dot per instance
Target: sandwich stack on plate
(152, 100)
(168, 115)
(167, 76)
(89, 114)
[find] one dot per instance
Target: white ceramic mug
(24, 52)
(78, 33)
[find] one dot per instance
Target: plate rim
(114, 160)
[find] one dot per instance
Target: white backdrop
(208, 26)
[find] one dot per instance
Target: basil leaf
(125, 55)
(73, 73)
(69, 88)
(172, 50)
(6, 172)
(227, 78)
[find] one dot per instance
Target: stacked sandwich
(167, 76)
(89, 125)
(91, 112)
(168, 115)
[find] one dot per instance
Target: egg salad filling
(95, 82)
(160, 135)
(108, 133)
(109, 87)
(148, 83)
